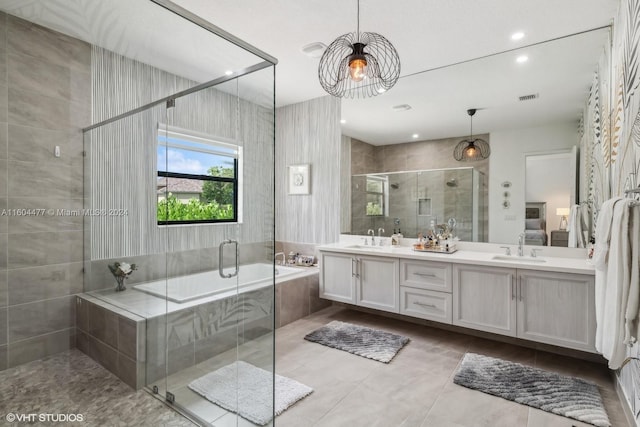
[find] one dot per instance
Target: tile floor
(414, 390)
(73, 383)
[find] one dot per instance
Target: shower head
(452, 183)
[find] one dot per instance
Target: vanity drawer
(435, 276)
(431, 305)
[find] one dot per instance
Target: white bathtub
(186, 288)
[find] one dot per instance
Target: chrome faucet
(275, 258)
(380, 231)
(521, 244)
(372, 233)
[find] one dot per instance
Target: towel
(576, 228)
(600, 256)
(617, 258)
(633, 302)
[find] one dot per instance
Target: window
(198, 178)
(377, 195)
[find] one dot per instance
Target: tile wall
(44, 101)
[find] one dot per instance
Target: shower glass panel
(220, 287)
(179, 188)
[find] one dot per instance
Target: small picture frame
(299, 178)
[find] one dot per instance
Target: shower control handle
(221, 258)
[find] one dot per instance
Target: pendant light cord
(358, 22)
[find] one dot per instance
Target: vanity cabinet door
(557, 308)
(484, 298)
(337, 277)
(377, 284)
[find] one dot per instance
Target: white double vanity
(547, 299)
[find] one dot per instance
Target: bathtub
(194, 286)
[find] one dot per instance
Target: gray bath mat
(558, 394)
(366, 342)
(246, 390)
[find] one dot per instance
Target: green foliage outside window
(172, 209)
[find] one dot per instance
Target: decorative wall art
(299, 179)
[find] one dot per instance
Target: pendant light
(471, 149)
(359, 65)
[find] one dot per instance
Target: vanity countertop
(465, 256)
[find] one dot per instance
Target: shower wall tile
(52, 46)
(4, 103)
(3, 64)
(127, 337)
(4, 139)
(103, 324)
(30, 144)
(3, 178)
(3, 326)
(4, 246)
(32, 109)
(31, 349)
(45, 77)
(4, 289)
(3, 30)
(3, 357)
(53, 214)
(30, 179)
(42, 317)
(28, 73)
(4, 219)
(36, 249)
(45, 282)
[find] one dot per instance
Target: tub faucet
(275, 258)
(372, 233)
(521, 244)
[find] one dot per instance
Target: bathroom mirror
(534, 106)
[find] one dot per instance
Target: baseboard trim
(624, 402)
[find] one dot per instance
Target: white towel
(616, 288)
(600, 257)
(576, 228)
(633, 302)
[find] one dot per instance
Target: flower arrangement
(121, 270)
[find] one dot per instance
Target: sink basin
(518, 259)
(368, 247)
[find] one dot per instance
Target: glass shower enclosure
(179, 191)
(417, 201)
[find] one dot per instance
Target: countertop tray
(436, 250)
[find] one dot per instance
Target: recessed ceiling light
(415, 135)
(381, 90)
(343, 121)
(314, 50)
(228, 72)
(517, 36)
(522, 59)
(401, 107)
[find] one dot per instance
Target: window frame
(187, 135)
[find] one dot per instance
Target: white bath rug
(246, 390)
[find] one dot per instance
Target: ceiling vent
(529, 97)
(314, 50)
(401, 107)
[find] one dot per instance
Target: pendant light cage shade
(378, 61)
(471, 149)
